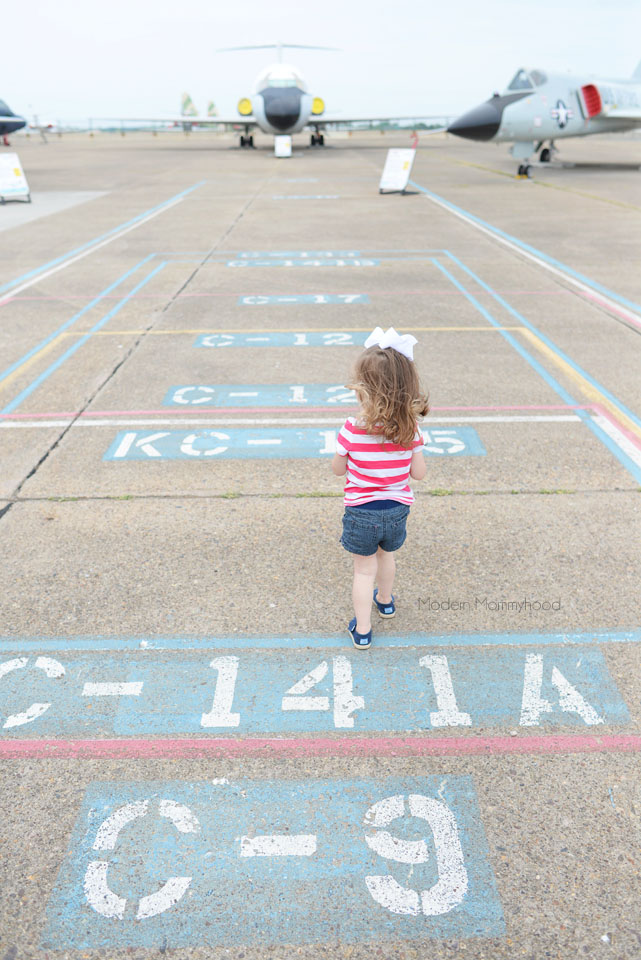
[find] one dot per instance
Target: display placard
(282, 146)
(13, 183)
(398, 167)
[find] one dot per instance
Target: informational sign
(252, 862)
(282, 146)
(260, 395)
(13, 183)
(398, 167)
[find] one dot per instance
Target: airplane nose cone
(481, 123)
(282, 106)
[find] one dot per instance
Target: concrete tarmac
(196, 762)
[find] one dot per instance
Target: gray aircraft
(9, 122)
(538, 108)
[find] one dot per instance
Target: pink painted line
(172, 411)
(626, 315)
(603, 412)
(378, 293)
(295, 747)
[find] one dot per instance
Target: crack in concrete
(14, 498)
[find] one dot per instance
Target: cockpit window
(538, 78)
(521, 81)
(285, 82)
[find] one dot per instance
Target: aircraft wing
(624, 113)
(178, 119)
(328, 118)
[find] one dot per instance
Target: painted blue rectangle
(304, 338)
(306, 262)
(254, 692)
(350, 882)
(260, 300)
(297, 396)
(284, 443)
(279, 254)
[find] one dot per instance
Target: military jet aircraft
(278, 104)
(539, 107)
(9, 122)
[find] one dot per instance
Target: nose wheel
(317, 140)
(524, 171)
(247, 141)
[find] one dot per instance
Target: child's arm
(339, 464)
(418, 467)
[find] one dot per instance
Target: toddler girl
(378, 452)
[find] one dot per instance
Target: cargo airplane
(540, 107)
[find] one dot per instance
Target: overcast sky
(70, 60)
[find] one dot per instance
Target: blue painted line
(313, 641)
(307, 338)
(545, 339)
(71, 253)
(205, 831)
(393, 691)
(297, 396)
(68, 323)
(266, 443)
(78, 343)
(600, 434)
(320, 298)
(594, 284)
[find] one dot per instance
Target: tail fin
(211, 109)
(637, 73)
(187, 108)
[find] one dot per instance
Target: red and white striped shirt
(375, 472)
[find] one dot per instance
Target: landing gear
(525, 170)
(545, 155)
(247, 141)
(317, 140)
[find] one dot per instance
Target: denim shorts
(365, 530)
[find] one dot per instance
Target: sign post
(13, 183)
(396, 173)
(283, 146)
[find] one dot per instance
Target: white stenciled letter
(97, 891)
(451, 887)
(448, 714)
(220, 714)
(534, 704)
(345, 703)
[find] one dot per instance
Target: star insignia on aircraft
(562, 114)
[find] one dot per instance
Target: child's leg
(364, 573)
(385, 576)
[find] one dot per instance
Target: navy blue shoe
(362, 641)
(386, 610)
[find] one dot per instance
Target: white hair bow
(404, 344)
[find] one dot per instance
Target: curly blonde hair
(390, 393)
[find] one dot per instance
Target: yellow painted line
(552, 186)
(28, 363)
(210, 330)
(479, 166)
(591, 392)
